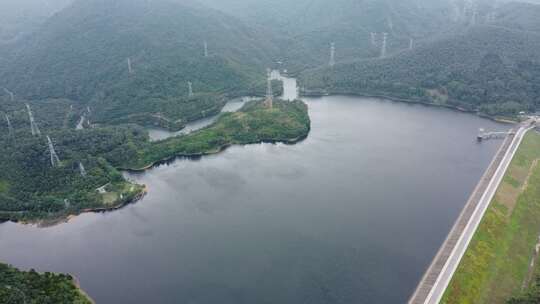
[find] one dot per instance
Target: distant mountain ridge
(86, 47)
(454, 69)
(82, 54)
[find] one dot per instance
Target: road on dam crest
(435, 281)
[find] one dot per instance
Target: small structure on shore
(483, 135)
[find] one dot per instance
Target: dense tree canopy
(31, 188)
(82, 52)
(32, 287)
(487, 68)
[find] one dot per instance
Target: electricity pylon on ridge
(33, 125)
(11, 95)
(269, 101)
(55, 161)
(190, 89)
(383, 48)
(332, 54)
(82, 170)
(373, 38)
(130, 69)
(10, 127)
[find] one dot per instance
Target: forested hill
(81, 53)
(493, 67)
(307, 27)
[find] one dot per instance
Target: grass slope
(31, 287)
(497, 261)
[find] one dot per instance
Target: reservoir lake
(352, 214)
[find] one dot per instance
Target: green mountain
(82, 52)
(493, 67)
(307, 27)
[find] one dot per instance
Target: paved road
(434, 283)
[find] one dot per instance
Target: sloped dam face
(353, 214)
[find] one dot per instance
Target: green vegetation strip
(31, 190)
(497, 261)
(286, 122)
(38, 288)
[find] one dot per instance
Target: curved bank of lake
(352, 214)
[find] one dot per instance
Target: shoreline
(506, 120)
(77, 284)
(211, 152)
(65, 218)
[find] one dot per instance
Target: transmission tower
(332, 54)
(33, 126)
(474, 15)
(205, 49)
(383, 48)
(456, 12)
(190, 89)
(493, 14)
(10, 127)
(269, 102)
(373, 39)
(55, 161)
(130, 70)
(82, 170)
(390, 24)
(11, 95)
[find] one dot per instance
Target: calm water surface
(290, 92)
(231, 106)
(353, 214)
